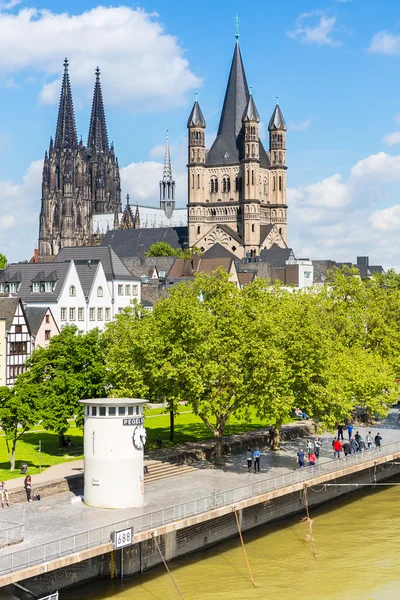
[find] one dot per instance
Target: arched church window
(226, 184)
(213, 185)
(198, 181)
(238, 184)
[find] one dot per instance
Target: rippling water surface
(358, 557)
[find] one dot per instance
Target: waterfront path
(56, 517)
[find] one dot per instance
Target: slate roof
(264, 231)
(277, 122)
(136, 242)
(113, 267)
(35, 316)
(277, 256)
(228, 146)
(218, 251)
(26, 272)
(233, 234)
(196, 118)
(8, 308)
(86, 272)
(251, 112)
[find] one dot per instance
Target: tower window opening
(213, 185)
(280, 183)
(273, 184)
(192, 181)
(280, 230)
(248, 177)
(198, 182)
(252, 228)
(198, 230)
(252, 177)
(226, 184)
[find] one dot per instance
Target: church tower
(167, 185)
(104, 170)
(232, 200)
(66, 206)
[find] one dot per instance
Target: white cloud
(339, 218)
(385, 42)
(391, 139)
(319, 32)
(143, 67)
(9, 5)
(299, 126)
(19, 221)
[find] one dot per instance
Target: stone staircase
(162, 470)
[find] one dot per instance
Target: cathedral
(78, 181)
(237, 189)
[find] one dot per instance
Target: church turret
(167, 185)
(97, 138)
(251, 120)
(196, 162)
(66, 130)
(196, 125)
(277, 147)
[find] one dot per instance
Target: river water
(357, 540)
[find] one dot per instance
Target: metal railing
(47, 551)
(12, 526)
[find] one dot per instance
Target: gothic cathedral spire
(167, 185)
(66, 130)
(98, 138)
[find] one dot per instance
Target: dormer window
(72, 290)
(48, 286)
(35, 288)
(99, 292)
(13, 288)
(2, 288)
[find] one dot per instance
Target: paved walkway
(56, 517)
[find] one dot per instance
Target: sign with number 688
(123, 538)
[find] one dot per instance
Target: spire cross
(127, 198)
(65, 64)
(277, 100)
(167, 136)
(97, 73)
(196, 96)
(251, 90)
(237, 27)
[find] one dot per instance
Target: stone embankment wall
(202, 531)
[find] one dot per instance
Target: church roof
(136, 242)
(98, 138)
(277, 121)
(66, 130)
(227, 147)
(196, 118)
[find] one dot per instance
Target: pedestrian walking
(346, 448)
(340, 432)
(350, 430)
(333, 446)
(249, 458)
(28, 487)
(317, 447)
(361, 444)
(378, 440)
(357, 436)
(337, 446)
(3, 494)
(369, 440)
(312, 459)
(353, 445)
(310, 447)
(256, 457)
(300, 458)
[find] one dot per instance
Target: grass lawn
(188, 428)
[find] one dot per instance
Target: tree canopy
(3, 261)
(165, 249)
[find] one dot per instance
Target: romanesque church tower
(237, 189)
(77, 181)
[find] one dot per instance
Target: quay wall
(198, 532)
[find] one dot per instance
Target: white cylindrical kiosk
(114, 438)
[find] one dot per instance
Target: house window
(127, 290)
(94, 411)
(107, 313)
(213, 185)
(18, 347)
(135, 290)
(47, 318)
(18, 329)
(72, 314)
(63, 314)
(35, 288)
(102, 411)
(307, 274)
(80, 314)
(48, 286)
(120, 290)
(121, 411)
(72, 290)
(99, 292)
(47, 334)
(91, 314)
(111, 411)
(99, 314)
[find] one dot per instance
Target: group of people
(355, 443)
(300, 414)
(313, 450)
(253, 456)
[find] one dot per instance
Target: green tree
(18, 413)
(3, 261)
(165, 249)
(71, 368)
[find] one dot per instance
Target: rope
(323, 489)
(166, 566)
(309, 523)
(244, 549)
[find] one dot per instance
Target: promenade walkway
(56, 517)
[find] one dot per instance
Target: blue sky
(333, 64)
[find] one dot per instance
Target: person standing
(249, 458)
(317, 447)
(358, 437)
(337, 446)
(350, 430)
(312, 459)
(256, 457)
(309, 447)
(346, 448)
(3, 494)
(361, 444)
(378, 440)
(340, 432)
(368, 439)
(300, 458)
(28, 487)
(353, 445)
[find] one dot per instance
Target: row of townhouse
(85, 287)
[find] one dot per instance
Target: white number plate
(123, 538)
